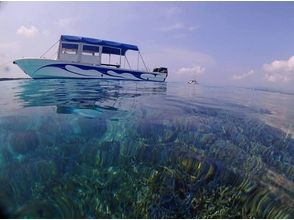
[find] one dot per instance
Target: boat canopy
(109, 47)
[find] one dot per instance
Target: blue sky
(217, 43)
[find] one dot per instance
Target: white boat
(82, 57)
(194, 81)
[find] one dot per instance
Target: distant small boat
(193, 82)
(82, 57)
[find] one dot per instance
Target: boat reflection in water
(86, 97)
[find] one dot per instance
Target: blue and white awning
(108, 46)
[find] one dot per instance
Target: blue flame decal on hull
(103, 72)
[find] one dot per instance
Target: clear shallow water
(109, 149)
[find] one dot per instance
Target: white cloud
(244, 75)
(280, 65)
(280, 70)
(28, 32)
(178, 26)
(194, 70)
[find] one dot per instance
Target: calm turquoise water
(110, 149)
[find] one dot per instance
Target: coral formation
(158, 156)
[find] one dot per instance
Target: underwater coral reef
(158, 156)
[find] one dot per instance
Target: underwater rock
(24, 142)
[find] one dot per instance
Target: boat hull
(52, 69)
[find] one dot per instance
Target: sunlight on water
(111, 149)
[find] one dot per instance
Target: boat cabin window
(111, 56)
(69, 48)
(69, 52)
(90, 54)
(90, 50)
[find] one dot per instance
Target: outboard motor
(161, 70)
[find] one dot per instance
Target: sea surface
(117, 149)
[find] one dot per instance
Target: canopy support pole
(119, 57)
(128, 62)
(138, 61)
(144, 62)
